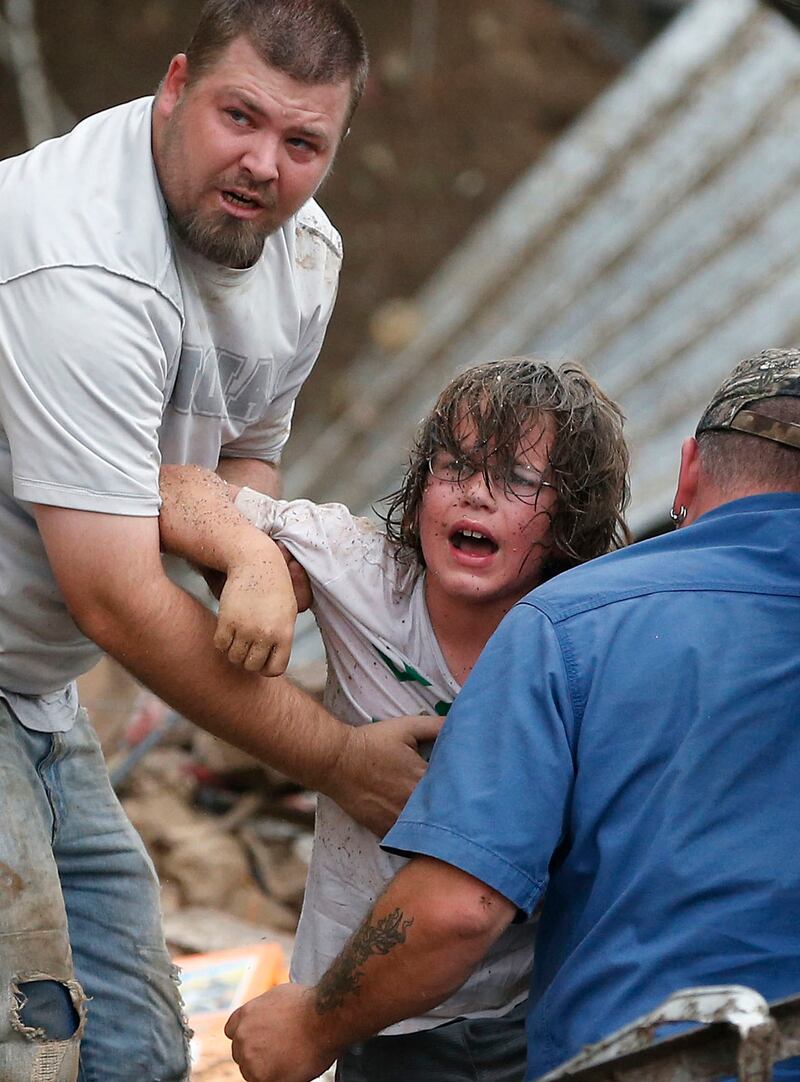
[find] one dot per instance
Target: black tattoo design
(344, 975)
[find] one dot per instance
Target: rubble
(230, 838)
(190, 931)
(214, 846)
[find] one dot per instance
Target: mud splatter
(10, 882)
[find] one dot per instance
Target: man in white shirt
(165, 284)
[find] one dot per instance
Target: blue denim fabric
(79, 905)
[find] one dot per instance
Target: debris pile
(218, 847)
(230, 838)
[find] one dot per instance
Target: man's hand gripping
(378, 767)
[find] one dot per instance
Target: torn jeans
(88, 991)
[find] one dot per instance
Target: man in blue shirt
(626, 750)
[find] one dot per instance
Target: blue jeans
(88, 990)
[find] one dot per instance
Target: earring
(678, 517)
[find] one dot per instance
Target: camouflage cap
(772, 374)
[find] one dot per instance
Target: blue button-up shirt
(628, 747)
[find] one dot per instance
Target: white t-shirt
(383, 662)
(119, 349)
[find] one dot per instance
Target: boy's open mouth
(473, 543)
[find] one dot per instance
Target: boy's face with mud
(486, 542)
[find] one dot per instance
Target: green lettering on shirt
(407, 674)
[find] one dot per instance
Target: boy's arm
(265, 477)
(257, 606)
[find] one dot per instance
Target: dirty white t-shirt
(119, 349)
(383, 662)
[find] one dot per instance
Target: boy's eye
(526, 483)
(449, 468)
(526, 477)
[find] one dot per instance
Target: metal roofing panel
(536, 213)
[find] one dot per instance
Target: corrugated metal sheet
(658, 243)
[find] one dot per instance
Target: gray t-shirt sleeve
(83, 367)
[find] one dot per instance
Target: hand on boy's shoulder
(381, 768)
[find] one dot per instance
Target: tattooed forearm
(344, 975)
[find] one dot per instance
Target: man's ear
(172, 85)
(688, 477)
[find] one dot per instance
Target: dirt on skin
(442, 133)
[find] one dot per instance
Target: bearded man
(166, 280)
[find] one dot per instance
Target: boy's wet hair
(504, 400)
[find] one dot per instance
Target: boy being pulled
(518, 473)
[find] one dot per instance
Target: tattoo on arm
(344, 975)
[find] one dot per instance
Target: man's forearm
(368, 770)
(166, 641)
(199, 522)
(421, 941)
(109, 571)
